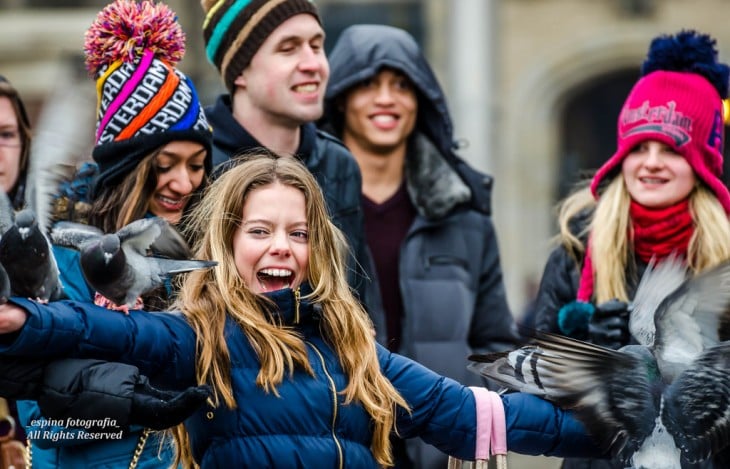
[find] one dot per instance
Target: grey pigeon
(26, 254)
(657, 405)
(117, 265)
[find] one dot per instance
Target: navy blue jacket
(309, 425)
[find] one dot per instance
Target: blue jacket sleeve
(443, 414)
(442, 411)
(161, 345)
(537, 427)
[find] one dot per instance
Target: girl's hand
(12, 318)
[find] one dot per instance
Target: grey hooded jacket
(449, 267)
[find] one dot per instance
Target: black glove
(609, 325)
(158, 409)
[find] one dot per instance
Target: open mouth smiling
(275, 279)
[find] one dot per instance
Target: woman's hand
(12, 318)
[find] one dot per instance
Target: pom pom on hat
(125, 29)
(144, 103)
(678, 101)
(688, 51)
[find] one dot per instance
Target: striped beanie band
(143, 101)
(235, 29)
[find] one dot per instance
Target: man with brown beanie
(270, 55)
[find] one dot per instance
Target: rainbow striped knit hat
(143, 101)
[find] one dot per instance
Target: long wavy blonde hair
(207, 297)
(610, 227)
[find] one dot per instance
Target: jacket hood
(360, 53)
(362, 50)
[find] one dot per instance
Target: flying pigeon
(117, 265)
(654, 405)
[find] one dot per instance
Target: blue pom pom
(574, 317)
(688, 51)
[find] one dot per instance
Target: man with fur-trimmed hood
(427, 213)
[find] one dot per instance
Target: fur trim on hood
(434, 186)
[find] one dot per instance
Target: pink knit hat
(681, 109)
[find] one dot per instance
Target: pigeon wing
(167, 267)
(516, 370)
(7, 213)
(658, 282)
(689, 320)
(139, 235)
(607, 389)
(5, 290)
(61, 137)
(74, 235)
(170, 243)
(697, 409)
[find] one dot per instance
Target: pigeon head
(110, 245)
(26, 222)
(103, 259)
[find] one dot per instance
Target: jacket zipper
(296, 306)
(334, 403)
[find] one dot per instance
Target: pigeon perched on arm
(26, 254)
(117, 266)
(656, 404)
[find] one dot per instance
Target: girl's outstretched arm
(161, 345)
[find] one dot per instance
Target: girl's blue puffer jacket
(308, 425)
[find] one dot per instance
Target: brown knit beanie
(235, 29)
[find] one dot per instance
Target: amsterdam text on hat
(144, 102)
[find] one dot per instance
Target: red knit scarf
(662, 231)
(657, 234)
